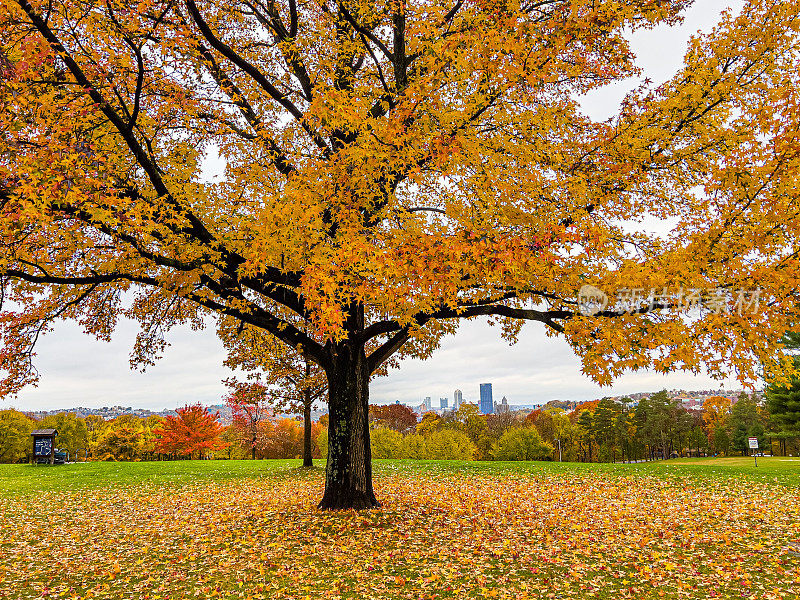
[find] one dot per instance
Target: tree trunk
(348, 474)
(307, 459)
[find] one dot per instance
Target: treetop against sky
(390, 166)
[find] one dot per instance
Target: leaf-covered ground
(442, 533)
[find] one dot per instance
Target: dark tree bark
(348, 476)
(307, 458)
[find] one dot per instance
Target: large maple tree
(354, 177)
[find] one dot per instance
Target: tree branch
(281, 329)
(385, 350)
(367, 33)
(140, 155)
(277, 155)
(253, 72)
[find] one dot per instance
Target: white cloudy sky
(78, 371)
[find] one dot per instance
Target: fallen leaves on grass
(508, 536)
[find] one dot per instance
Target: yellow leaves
(467, 535)
(462, 174)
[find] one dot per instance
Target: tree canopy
(192, 432)
(353, 177)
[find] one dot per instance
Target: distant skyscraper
(443, 403)
(428, 403)
(487, 404)
(503, 406)
(457, 399)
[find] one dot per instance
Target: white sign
(753, 442)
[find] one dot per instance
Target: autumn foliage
(518, 533)
(353, 178)
(193, 433)
(271, 438)
(394, 416)
(250, 408)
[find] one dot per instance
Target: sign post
(44, 446)
(754, 446)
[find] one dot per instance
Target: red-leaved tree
(193, 433)
(394, 416)
(250, 408)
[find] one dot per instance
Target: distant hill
(561, 404)
(222, 411)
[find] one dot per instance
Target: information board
(43, 447)
(753, 443)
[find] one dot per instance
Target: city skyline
(535, 371)
(689, 398)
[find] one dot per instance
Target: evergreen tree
(783, 404)
(586, 427)
(746, 421)
(663, 411)
(603, 427)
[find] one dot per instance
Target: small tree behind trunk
(308, 461)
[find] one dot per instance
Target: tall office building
(443, 403)
(503, 407)
(487, 404)
(457, 399)
(428, 403)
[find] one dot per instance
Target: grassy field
(717, 528)
(19, 480)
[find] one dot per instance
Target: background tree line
(126, 437)
(658, 427)
(463, 434)
(192, 433)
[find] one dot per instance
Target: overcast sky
(76, 370)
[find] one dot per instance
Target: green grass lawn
(18, 480)
(25, 479)
(249, 530)
(773, 470)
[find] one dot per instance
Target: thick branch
(255, 315)
(385, 350)
(253, 72)
(47, 279)
(403, 332)
(283, 330)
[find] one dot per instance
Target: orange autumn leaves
(193, 432)
(413, 161)
(438, 536)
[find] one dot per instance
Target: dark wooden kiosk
(44, 446)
